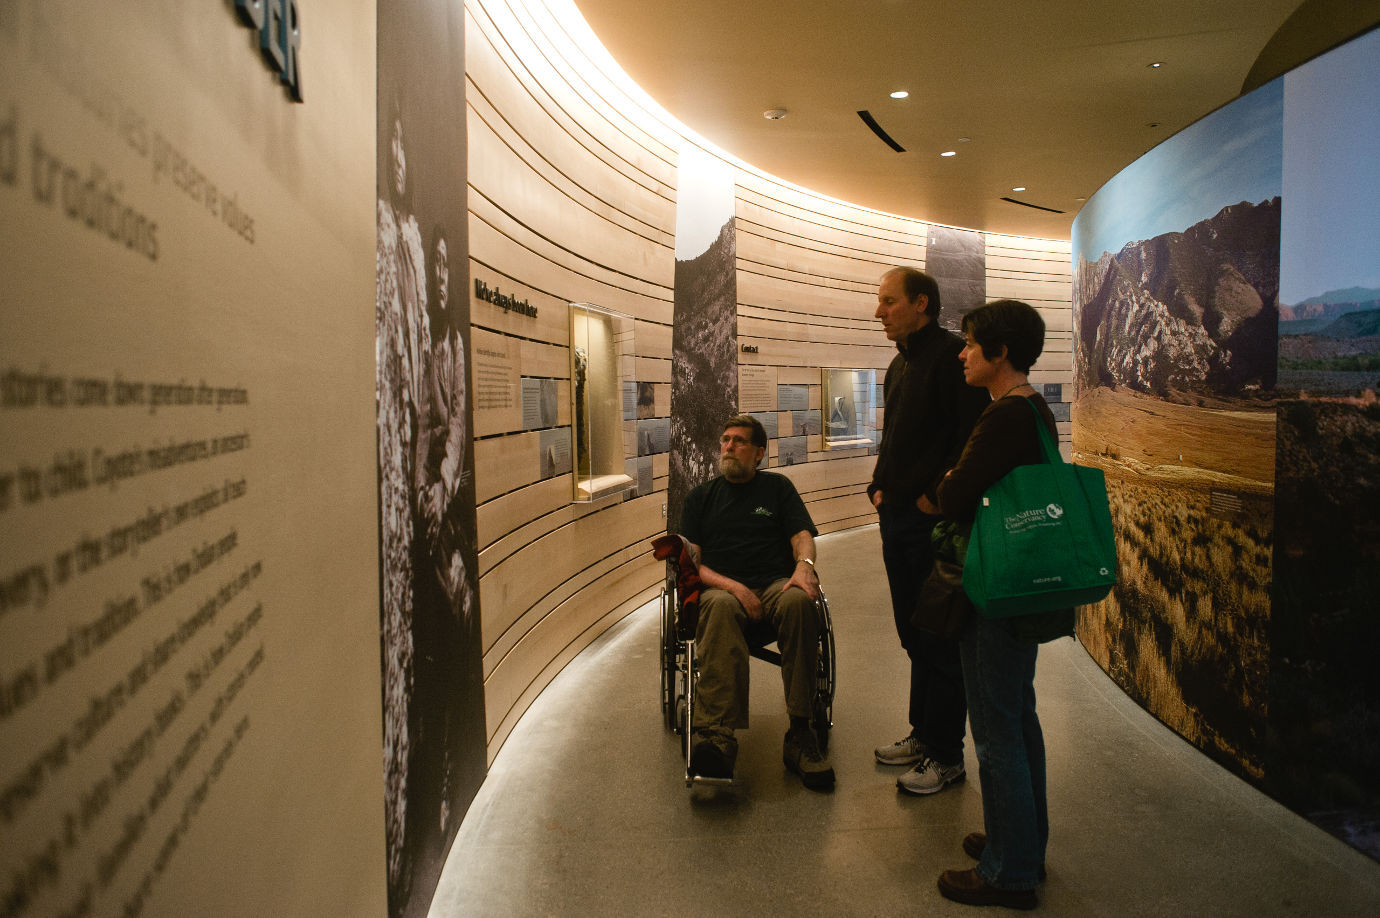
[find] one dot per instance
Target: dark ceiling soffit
(1315, 28)
(1034, 206)
(871, 122)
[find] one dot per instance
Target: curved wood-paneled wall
(572, 199)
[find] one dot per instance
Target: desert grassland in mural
(1324, 682)
(1185, 631)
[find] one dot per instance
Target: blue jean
(999, 676)
(937, 709)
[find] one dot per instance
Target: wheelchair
(679, 669)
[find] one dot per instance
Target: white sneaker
(906, 751)
(929, 777)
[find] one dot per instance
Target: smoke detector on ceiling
(774, 114)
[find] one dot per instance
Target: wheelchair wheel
(668, 655)
(822, 718)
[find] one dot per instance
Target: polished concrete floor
(585, 810)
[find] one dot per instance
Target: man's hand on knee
(752, 606)
(805, 579)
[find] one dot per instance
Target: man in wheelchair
(754, 542)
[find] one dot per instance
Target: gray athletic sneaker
(929, 777)
(906, 751)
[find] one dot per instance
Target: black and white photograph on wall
(639, 469)
(538, 403)
(806, 423)
(957, 260)
(769, 421)
(553, 446)
(434, 735)
(653, 436)
(646, 400)
(704, 368)
(791, 450)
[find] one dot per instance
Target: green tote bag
(1042, 539)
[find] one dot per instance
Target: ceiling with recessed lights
(1051, 97)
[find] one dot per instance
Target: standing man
(929, 412)
(754, 542)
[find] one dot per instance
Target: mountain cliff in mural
(704, 364)
(1186, 314)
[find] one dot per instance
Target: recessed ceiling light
(774, 114)
(1019, 188)
(965, 139)
(1155, 65)
(900, 94)
(949, 153)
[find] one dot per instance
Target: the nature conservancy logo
(1030, 519)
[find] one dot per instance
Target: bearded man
(754, 541)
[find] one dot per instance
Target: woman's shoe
(974, 843)
(968, 887)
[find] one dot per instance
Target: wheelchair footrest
(691, 780)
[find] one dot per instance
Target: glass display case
(602, 379)
(849, 408)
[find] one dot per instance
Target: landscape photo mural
(1227, 359)
(704, 335)
(1176, 290)
(1323, 758)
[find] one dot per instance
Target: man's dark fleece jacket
(929, 412)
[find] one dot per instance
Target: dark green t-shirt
(744, 530)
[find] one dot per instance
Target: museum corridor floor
(585, 810)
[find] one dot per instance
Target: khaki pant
(721, 649)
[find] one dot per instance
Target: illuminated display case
(849, 408)
(603, 378)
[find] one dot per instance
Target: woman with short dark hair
(1004, 338)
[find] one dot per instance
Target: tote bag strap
(1052, 455)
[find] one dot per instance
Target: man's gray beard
(733, 469)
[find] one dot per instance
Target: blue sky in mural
(1233, 155)
(1330, 238)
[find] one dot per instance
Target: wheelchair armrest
(675, 551)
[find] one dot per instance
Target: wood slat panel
(515, 685)
(770, 327)
(513, 586)
(547, 211)
(870, 257)
(763, 291)
(798, 204)
(806, 262)
(585, 180)
(543, 269)
(511, 511)
(498, 32)
(869, 242)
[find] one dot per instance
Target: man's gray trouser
(721, 648)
